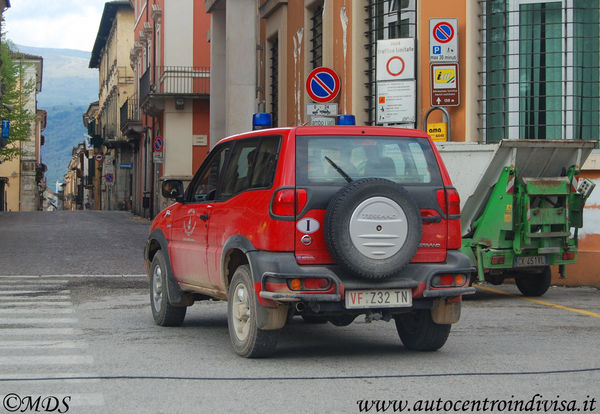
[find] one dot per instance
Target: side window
(265, 163)
(204, 186)
(252, 165)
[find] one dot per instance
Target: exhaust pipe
(300, 307)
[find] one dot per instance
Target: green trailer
(521, 207)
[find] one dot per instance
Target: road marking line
(33, 286)
(25, 304)
(8, 281)
(43, 311)
(35, 376)
(47, 360)
(11, 298)
(57, 344)
(38, 331)
(35, 321)
(541, 302)
(29, 292)
(70, 276)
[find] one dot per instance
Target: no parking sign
(323, 85)
(443, 40)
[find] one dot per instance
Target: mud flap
(174, 294)
(445, 312)
(269, 319)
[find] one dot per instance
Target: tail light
(310, 283)
(497, 260)
(446, 281)
(287, 202)
(449, 202)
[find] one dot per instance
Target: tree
(17, 91)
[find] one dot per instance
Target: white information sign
(395, 59)
(396, 102)
(322, 120)
(321, 109)
(157, 157)
(443, 40)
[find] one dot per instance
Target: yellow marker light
(295, 284)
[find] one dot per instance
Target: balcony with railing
(163, 82)
(129, 117)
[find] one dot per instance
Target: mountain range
(68, 88)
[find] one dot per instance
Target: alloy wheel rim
(157, 291)
(241, 314)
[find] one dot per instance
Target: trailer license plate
(526, 261)
(388, 298)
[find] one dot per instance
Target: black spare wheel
(372, 228)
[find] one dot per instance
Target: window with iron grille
(540, 69)
(274, 78)
(387, 19)
(316, 37)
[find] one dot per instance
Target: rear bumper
(268, 266)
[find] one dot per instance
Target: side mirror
(172, 189)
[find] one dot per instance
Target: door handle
(203, 217)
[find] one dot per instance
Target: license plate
(388, 298)
(525, 261)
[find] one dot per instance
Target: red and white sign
(99, 157)
(443, 40)
(395, 66)
(158, 144)
(395, 59)
(323, 85)
(443, 32)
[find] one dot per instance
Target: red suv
(324, 222)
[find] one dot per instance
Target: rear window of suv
(405, 160)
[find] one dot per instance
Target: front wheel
(418, 332)
(163, 312)
(247, 340)
(536, 284)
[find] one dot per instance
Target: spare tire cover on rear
(372, 228)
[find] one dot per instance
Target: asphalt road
(88, 341)
(72, 242)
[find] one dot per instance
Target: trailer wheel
(372, 228)
(534, 284)
(419, 332)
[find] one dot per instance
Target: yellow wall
(11, 170)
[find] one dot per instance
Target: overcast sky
(64, 24)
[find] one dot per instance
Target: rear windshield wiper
(339, 170)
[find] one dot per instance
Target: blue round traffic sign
(109, 177)
(443, 32)
(322, 84)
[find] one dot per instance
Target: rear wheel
(534, 284)
(247, 340)
(418, 332)
(163, 312)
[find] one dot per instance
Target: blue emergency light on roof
(346, 120)
(261, 120)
